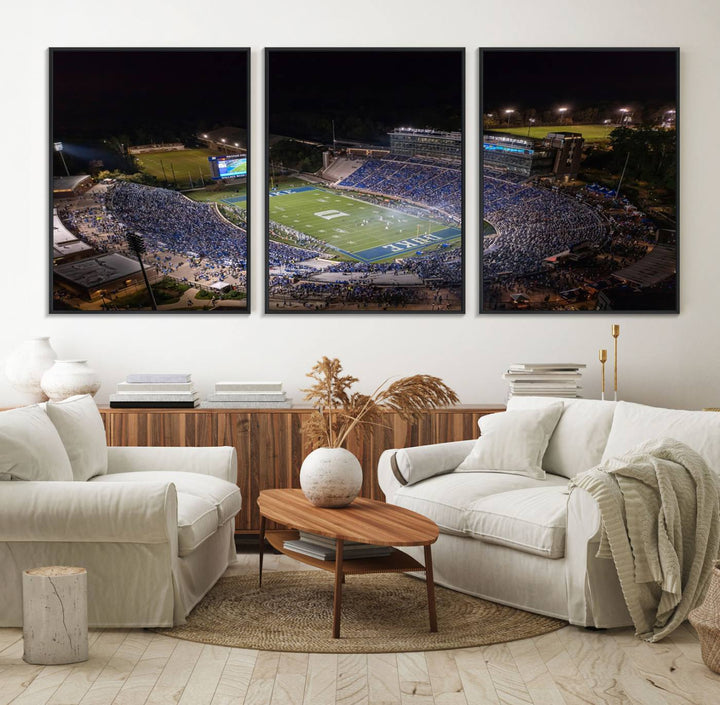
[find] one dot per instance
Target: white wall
(668, 359)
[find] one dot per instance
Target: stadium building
(408, 142)
(558, 153)
(93, 277)
(567, 150)
(69, 186)
(519, 155)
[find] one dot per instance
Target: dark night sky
(365, 92)
(544, 79)
(98, 93)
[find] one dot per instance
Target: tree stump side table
(55, 624)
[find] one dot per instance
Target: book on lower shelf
(325, 550)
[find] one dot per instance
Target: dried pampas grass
(338, 410)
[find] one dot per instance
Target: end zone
(410, 244)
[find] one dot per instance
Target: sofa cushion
(223, 495)
(532, 520)
(513, 442)
(635, 423)
(446, 499)
(580, 437)
(197, 521)
(30, 447)
(81, 429)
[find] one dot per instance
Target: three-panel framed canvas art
(364, 181)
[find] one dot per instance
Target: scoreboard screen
(228, 167)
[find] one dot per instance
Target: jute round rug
(380, 613)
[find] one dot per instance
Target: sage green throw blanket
(660, 524)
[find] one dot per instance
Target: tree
(136, 243)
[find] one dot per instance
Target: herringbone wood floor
(570, 666)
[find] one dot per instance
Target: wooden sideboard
(270, 443)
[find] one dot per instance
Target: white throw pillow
(80, 426)
(30, 447)
(513, 442)
(579, 439)
(634, 424)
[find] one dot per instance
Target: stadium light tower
(136, 244)
(531, 122)
(59, 148)
(508, 113)
(624, 115)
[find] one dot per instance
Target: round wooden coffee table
(366, 521)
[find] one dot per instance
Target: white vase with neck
(67, 378)
(25, 366)
(331, 477)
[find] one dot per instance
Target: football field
(357, 229)
(186, 167)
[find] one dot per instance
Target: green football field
(357, 229)
(591, 133)
(184, 167)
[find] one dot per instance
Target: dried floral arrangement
(338, 410)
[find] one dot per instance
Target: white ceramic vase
(66, 378)
(331, 477)
(25, 367)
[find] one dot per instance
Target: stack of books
(247, 395)
(323, 548)
(155, 391)
(544, 379)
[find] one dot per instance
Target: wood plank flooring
(568, 667)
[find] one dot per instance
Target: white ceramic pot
(66, 378)
(26, 366)
(331, 477)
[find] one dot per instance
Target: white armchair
(154, 533)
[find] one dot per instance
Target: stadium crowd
(171, 222)
(532, 223)
(436, 184)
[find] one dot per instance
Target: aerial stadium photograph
(149, 164)
(579, 180)
(365, 177)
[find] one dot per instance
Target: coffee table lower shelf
(396, 562)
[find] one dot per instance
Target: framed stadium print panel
(149, 153)
(365, 180)
(579, 165)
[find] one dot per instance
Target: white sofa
(154, 527)
(528, 542)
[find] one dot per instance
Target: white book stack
(247, 395)
(544, 379)
(156, 391)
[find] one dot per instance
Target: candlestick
(615, 330)
(603, 360)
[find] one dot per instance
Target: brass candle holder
(615, 330)
(603, 360)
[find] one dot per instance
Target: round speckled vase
(66, 378)
(331, 477)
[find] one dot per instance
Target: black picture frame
(109, 108)
(632, 88)
(356, 69)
